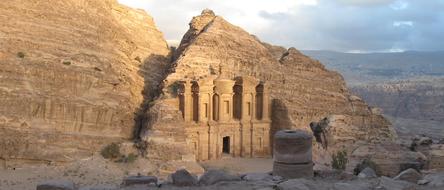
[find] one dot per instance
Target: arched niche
(195, 92)
(181, 93)
(237, 101)
(259, 101)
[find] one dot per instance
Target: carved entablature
(223, 99)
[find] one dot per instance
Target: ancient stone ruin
(225, 115)
(292, 154)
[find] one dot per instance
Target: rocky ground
(231, 173)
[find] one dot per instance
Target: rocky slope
(413, 106)
(414, 99)
(72, 75)
(301, 88)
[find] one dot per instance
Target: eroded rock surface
(72, 75)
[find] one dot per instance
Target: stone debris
(56, 185)
(99, 187)
(352, 186)
(211, 177)
(391, 184)
(183, 178)
(258, 177)
(218, 179)
(410, 175)
(434, 180)
(139, 180)
(367, 173)
(294, 184)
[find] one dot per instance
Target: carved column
(187, 115)
(253, 106)
(266, 103)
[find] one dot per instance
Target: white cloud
(399, 5)
(403, 23)
(172, 16)
(340, 25)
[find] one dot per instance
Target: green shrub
(364, 164)
(339, 160)
(111, 151)
(21, 55)
(131, 158)
(67, 62)
(127, 159)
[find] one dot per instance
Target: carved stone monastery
(226, 115)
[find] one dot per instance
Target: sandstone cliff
(72, 75)
(302, 89)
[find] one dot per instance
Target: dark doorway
(226, 145)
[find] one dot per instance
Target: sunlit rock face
(301, 89)
(74, 75)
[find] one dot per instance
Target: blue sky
(339, 25)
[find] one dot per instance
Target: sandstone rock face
(302, 90)
(72, 75)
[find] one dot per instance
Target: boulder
(211, 177)
(294, 184)
(183, 178)
(391, 184)
(352, 186)
(410, 175)
(425, 141)
(434, 180)
(172, 166)
(139, 180)
(56, 185)
(100, 187)
(334, 175)
(258, 177)
(367, 173)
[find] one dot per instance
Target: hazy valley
(408, 86)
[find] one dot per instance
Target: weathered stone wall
(79, 82)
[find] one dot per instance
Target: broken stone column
(292, 154)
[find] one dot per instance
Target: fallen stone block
(139, 180)
(211, 177)
(56, 185)
(410, 175)
(391, 184)
(183, 178)
(367, 173)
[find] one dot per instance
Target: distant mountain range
(358, 68)
(408, 86)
